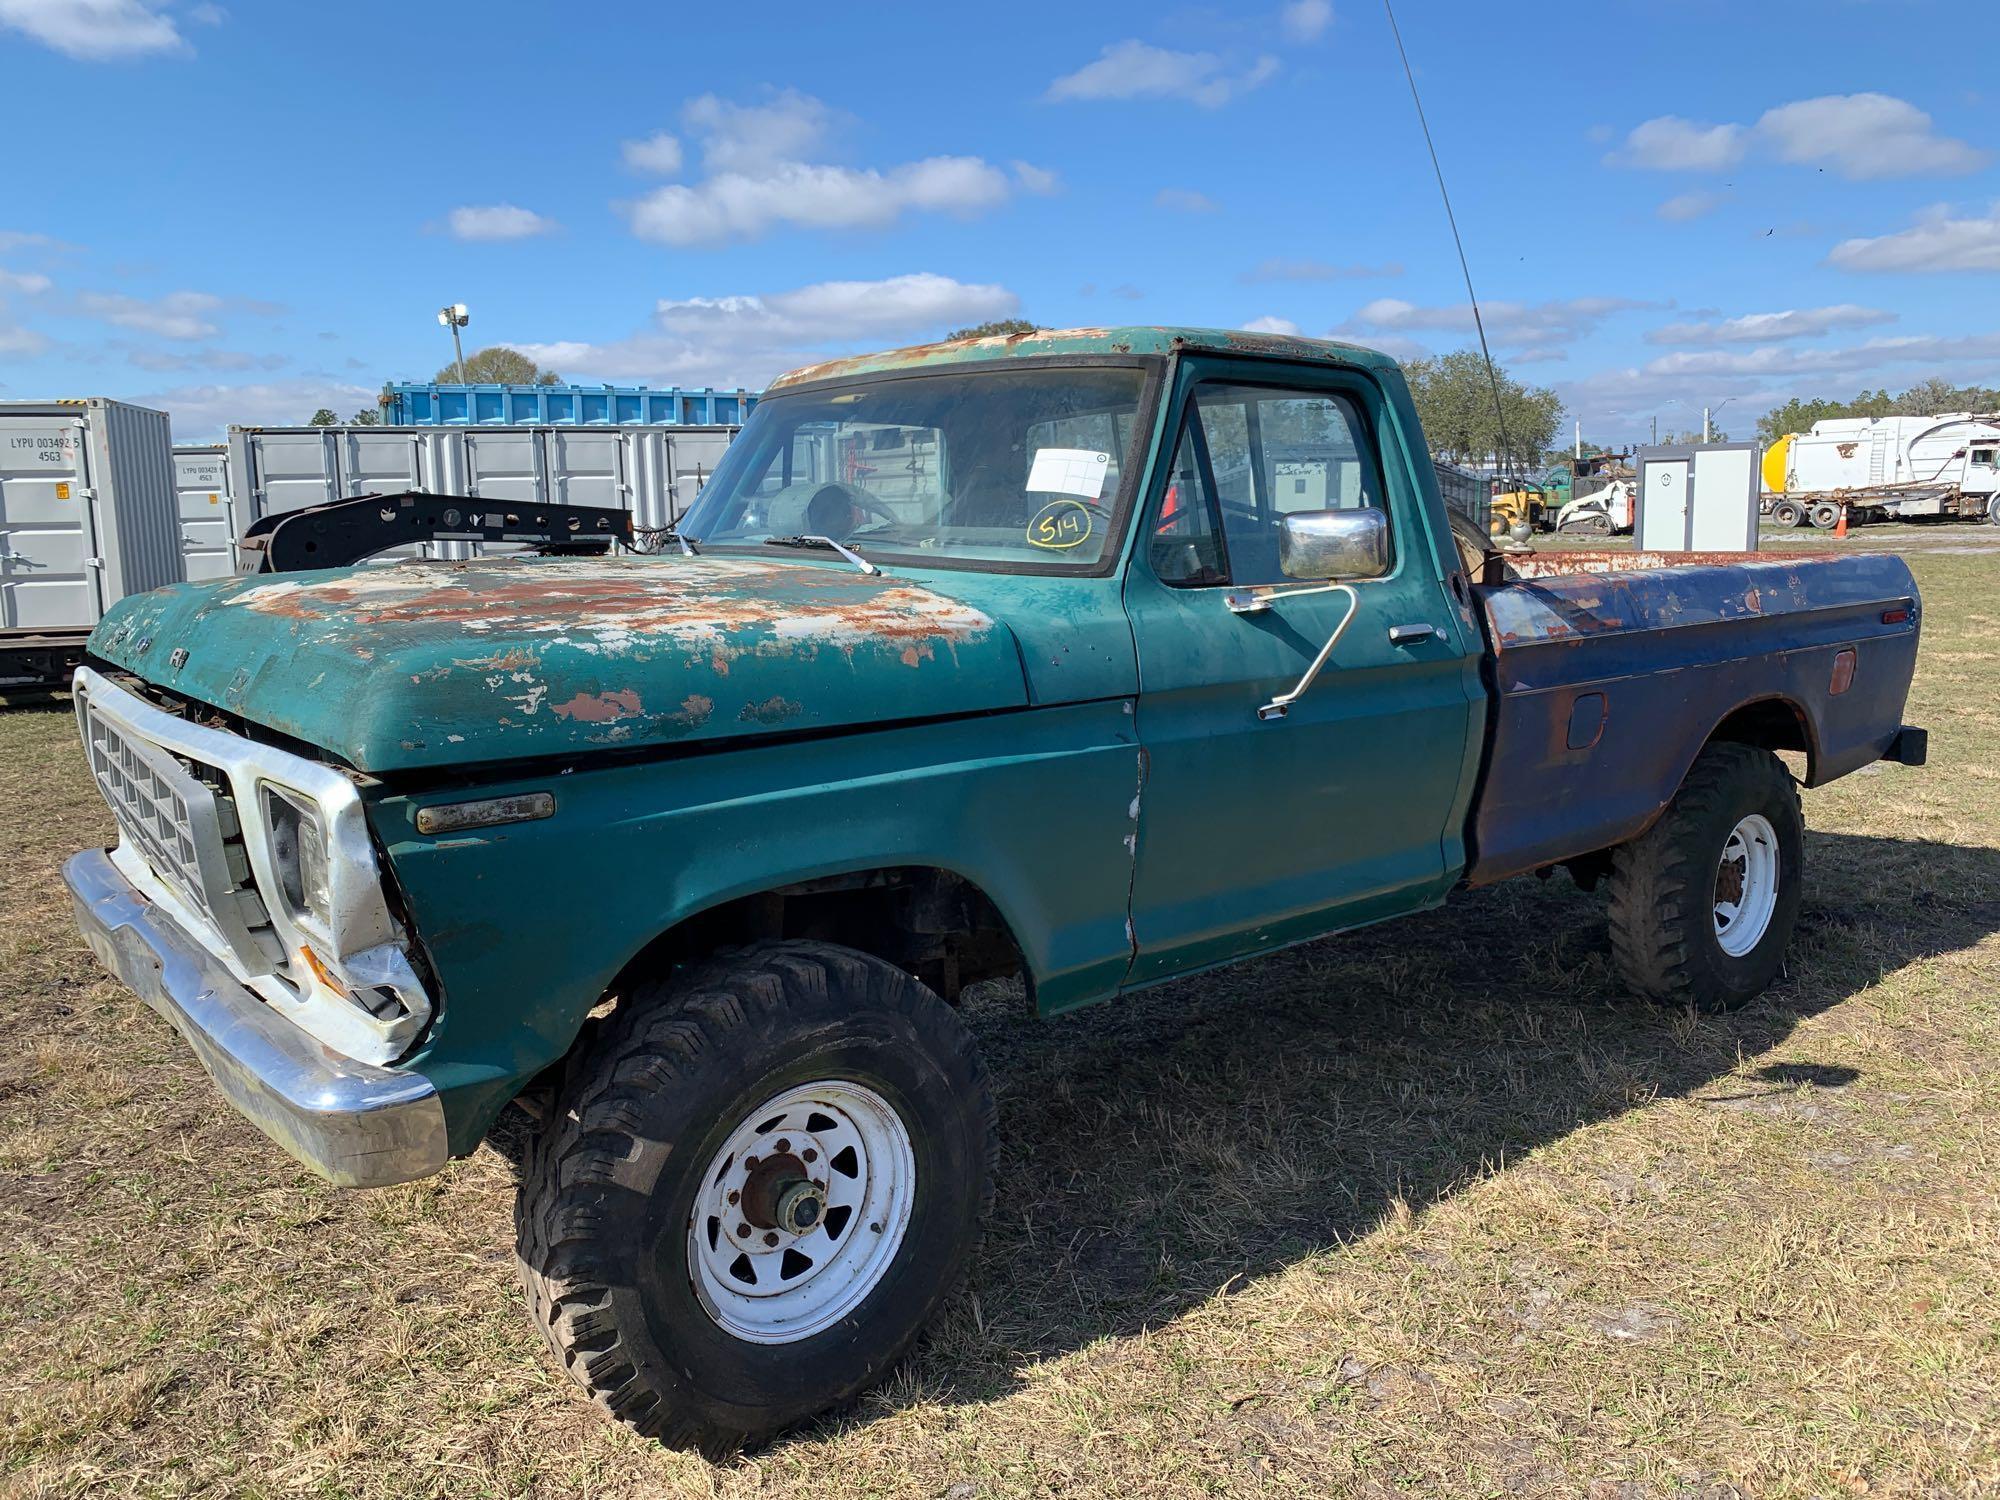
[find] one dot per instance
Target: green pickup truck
(1098, 658)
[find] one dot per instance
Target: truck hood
(441, 664)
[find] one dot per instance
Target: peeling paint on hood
(430, 664)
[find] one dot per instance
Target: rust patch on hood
(600, 708)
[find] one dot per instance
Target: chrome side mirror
(1319, 545)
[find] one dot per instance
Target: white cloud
(746, 340)
(1280, 269)
(1543, 323)
(1037, 180)
(1772, 327)
(1306, 20)
(1185, 201)
(21, 239)
(737, 206)
(1866, 137)
(658, 154)
(758, 179)
(32, 283)
(1861, 136)
(497, 221)
(1672, 144)
(1872, 355)
(755, 137)
(201, 413)
(95, 30)
(1685, 206)
(1272, 325)
(159, 360)
(20, 341)
(1133, 69)
(1937, 242)
(178, 315)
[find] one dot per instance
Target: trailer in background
(651, 472)
(87, 516)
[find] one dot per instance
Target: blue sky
(243, 212)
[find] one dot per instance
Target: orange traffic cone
(1840, 526)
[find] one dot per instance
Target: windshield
(963, 468)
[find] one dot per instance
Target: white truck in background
(1940, 467)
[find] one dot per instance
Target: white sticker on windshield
(1068, 471)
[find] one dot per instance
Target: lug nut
(783, 1146)
(743, 1231)
(811, 1155)
(734, 1197)
(771, 1238)
(749, 1163)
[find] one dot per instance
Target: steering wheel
(837, 493)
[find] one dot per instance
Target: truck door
(1257, 832)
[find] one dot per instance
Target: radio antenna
(1479, 323)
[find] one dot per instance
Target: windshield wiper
(827, 542)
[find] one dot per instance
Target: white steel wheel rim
(762, 1275)
(1746, 885)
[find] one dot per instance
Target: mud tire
(1663, 926)
(612, 1176)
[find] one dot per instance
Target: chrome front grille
(178, 816)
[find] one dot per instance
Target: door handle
(1409, 635)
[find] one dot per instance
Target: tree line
(1927, 398)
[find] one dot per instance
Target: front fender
(526, 925)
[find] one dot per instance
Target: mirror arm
(1281, 705)
(1250, 601)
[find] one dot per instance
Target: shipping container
(431, 404)
(87, 516)
(208, 534)
(653, 472)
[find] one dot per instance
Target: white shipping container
(654, 472)
(87, 510)
(208, 535)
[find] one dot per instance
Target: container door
(201, 487)
(49, 567)
(290, 470)
(376, 461)
(1725, 501)
(504, 465)
(1663, 505)
(589, 468)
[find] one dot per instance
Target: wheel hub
(801, 1212)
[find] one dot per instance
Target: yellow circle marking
(1060, 525)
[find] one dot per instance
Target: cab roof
(1059, 341)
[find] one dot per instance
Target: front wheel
(761, 1180)
(1993, 510)
(1787, 513)
(1703, 903)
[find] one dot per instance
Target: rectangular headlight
(298, 853)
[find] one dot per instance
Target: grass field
(1429, 1210)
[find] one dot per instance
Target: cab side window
(1247, 457)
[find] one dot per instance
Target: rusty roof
(1127, 340)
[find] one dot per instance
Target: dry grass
(1427, 1210)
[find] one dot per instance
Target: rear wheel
(759, 1183)
(1703, 903)
(1824, 514)
(1787, 513)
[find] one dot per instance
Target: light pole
(456, 317)
(1706, 415)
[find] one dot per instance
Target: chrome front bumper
(355, 1124)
